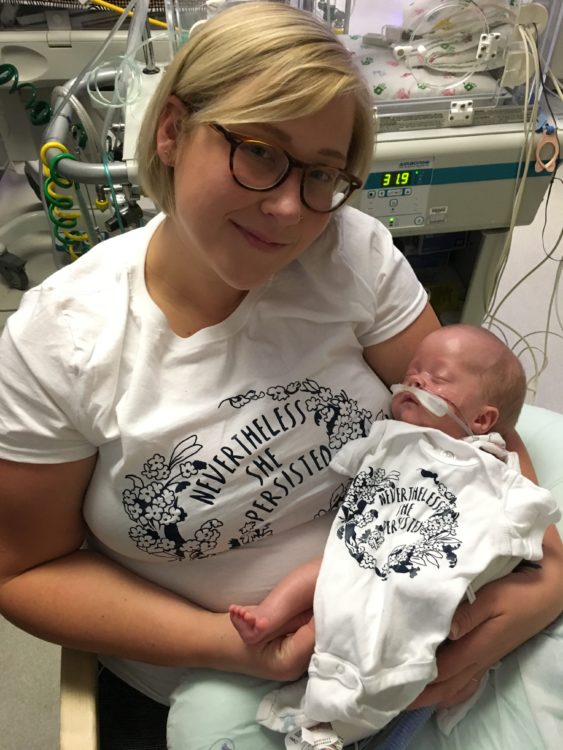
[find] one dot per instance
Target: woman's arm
(77, 598)
(496, 623)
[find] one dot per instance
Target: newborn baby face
(440, 366)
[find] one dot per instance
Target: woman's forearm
(553, 561)
(88, 602)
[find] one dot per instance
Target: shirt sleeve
(39, 386)
(392, 295)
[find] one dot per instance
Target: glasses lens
(324, 188)
(259, 165)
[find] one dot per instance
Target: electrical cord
(557, 86)
(553, 304)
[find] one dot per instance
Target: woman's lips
(258, 240)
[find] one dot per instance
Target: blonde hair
(255, 62)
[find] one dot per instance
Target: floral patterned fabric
(391, 79)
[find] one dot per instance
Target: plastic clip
(548, 138)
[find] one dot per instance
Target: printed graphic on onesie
(377, 508)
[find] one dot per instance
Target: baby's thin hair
(502, 376)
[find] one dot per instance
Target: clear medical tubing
(436, 405)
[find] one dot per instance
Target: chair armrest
(79, 727)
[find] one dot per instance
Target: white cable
(553, 309)
(78, 80)
(528, 145)
(491, 306)
(556, 85)
(128, 77)
(501, 325)
(494, 306)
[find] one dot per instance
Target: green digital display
(396, 179)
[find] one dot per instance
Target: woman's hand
(284, 657)
(506, 613)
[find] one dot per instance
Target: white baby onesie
(425, 516)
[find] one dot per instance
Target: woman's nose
(284, 201)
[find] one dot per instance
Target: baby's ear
(485, 420)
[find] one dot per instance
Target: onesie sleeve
(530, 510)
(349, 459)
(39, 385)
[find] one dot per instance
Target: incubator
(458, 94)
(434, 63)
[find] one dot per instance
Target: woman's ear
(485, 420)
(169, 130)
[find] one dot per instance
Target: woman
(175, 396)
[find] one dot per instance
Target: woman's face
(239, 236)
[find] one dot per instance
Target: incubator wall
(432, 63)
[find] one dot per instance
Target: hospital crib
(126, 723)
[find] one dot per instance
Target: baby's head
(474, 372)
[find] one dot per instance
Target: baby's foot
(251, 626)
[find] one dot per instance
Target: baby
(437, 508)
(482, 385)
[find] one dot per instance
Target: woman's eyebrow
(283, 136)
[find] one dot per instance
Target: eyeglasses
(256, 165)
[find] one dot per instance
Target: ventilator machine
(467, 99)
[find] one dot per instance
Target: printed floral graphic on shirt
(158, 498)
(377, 508)
(343, 418)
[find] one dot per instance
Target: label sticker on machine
(437, 214)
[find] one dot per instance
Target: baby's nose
(416, 379)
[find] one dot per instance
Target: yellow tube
(117, 9)
(51, 144)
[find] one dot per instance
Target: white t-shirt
(215, 447)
